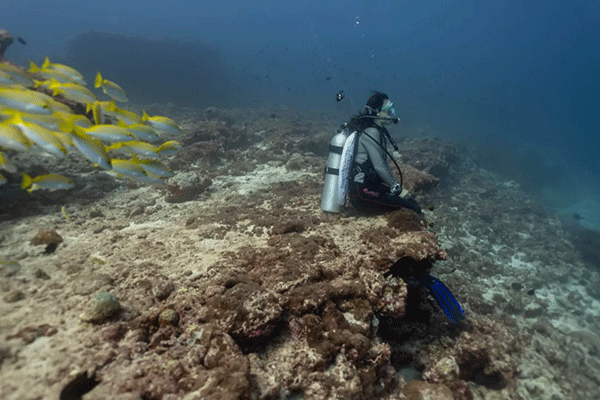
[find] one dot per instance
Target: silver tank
(329, 197)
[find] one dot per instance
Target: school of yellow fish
(116, 140)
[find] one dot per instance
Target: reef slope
(230, 282)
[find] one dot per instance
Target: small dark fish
(328, 78)
(21, 40)
(340, 96)
(577, 217)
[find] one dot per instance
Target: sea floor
(230, 282)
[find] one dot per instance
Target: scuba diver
(358, 164)
(6, 40)
(357, 168)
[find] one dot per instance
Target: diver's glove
(396, 189)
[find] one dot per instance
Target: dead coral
(404, 220)
(186, 186)
(288, 226)
(415, 180)
(419, 390)
(485, 353)
(48, 237)
(248, 312)
(202, 363)
(431, 156)
(422, 245)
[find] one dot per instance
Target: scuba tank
(329, 197)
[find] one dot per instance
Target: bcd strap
(336, 149)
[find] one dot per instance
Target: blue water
(520, 75)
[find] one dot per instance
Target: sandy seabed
(229, 282)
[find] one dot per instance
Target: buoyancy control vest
(341, 168)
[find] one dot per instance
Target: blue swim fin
(444, 297)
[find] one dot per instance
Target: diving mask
(389, 107)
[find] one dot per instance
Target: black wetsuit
(371, 177)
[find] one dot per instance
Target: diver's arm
(375, 154)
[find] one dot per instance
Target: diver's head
(379, 105)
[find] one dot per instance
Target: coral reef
(484, 353)
(247, 290)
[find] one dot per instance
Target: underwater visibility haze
(227, 109)
(518, 76)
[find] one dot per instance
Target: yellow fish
(128, 168)
(143, 132)
(6, 79)
(12, 138)
(110, 88)
(75, 119)
(47, 73)
(168, 148)
(71, 91)
(66, 140)
(52, 121)
(161, 124)
(5, 164)
(97, 111)
(17, 74)
(39, 135)
(134, 170)
(137, 147)
(66, 70)
(109, 133)
(155, 167)
(122, 115)
(91, 148)
(25, 100)
(50, 182)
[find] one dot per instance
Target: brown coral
(248, 312)
(48, 237)
(485, 353)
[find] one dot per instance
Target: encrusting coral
(48, 237)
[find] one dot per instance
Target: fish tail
(27, 181)
(46, 63)
(67, 125)
(98, 80)
(33, 68)
(96, 113)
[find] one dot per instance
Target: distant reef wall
(152, 70)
